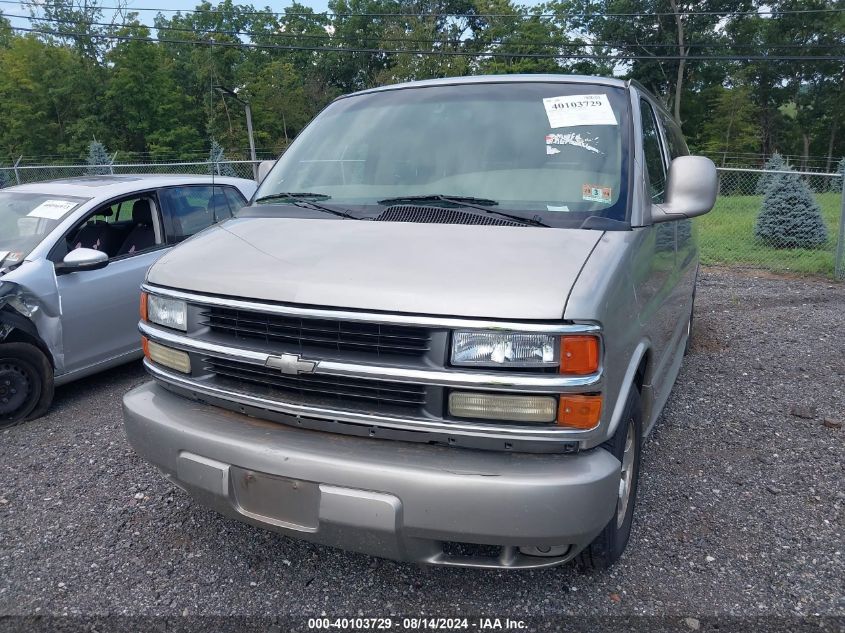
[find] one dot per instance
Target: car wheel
(26, 383)
(625, 446)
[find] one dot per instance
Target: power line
(329, 14)
(435, 53)
(413, 40)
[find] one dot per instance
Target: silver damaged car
(441, 329)
(72, 255)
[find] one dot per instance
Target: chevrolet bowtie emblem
(291, 364)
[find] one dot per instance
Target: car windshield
(27, 218)
(552, 152)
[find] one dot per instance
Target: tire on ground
(611, 542)
(26, 383)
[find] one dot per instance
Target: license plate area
(288, 503)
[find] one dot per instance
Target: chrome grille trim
(493, 381)
(375, 317)
(406, 423)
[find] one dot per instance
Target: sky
(8, 7)
(11, 7)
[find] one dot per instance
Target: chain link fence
(779, 221)
(22, 174)
(783, 222)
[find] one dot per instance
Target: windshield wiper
(301, 199)
(481, 204)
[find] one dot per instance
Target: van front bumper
(399, 500)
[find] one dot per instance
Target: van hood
(438, 269)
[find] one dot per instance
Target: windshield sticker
(596, 193)
(551, 150)
(578, 110)
(575, 140)
(52, 209)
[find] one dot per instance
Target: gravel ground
(740, 509)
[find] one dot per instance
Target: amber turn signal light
(143, 306)
(579, 355)
(579, 412)
(145, 345)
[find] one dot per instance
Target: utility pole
(245, 104)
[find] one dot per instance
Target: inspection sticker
(596, 193)
(52, 209)
(577, 110)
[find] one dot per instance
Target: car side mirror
(82, 259)
(264, 168)
(690, 189)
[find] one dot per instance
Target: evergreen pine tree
(98, 160)
(775, 163)
(790, 216)
(218, 162)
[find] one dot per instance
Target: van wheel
(26, 383)
(625, 445)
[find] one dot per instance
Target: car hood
(439, 269)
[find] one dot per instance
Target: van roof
(489, 79)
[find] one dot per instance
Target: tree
(98, 160)
(219, 164)
(659, 28)
(790, 216)
(144, 106)
(775, 163)
(732, 126)
(4, 177)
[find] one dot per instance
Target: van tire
(609, 545)
(26, 383)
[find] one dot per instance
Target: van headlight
(172, 313)
(571, 354)
(479, 348)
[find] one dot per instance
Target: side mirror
(82, 259)
(264, 168)
(690, 189)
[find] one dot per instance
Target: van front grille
(336, 335)
(319, 389)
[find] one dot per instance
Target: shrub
(790, 216)
(217, 158)
(98, 160)
(775, 163)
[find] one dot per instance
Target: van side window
(674, 137)
(653, 153)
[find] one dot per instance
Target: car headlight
(479, 348)
(172, 313)
(576, 354)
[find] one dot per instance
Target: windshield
(26, 219)
(554, 152)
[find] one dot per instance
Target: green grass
(726, 236)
